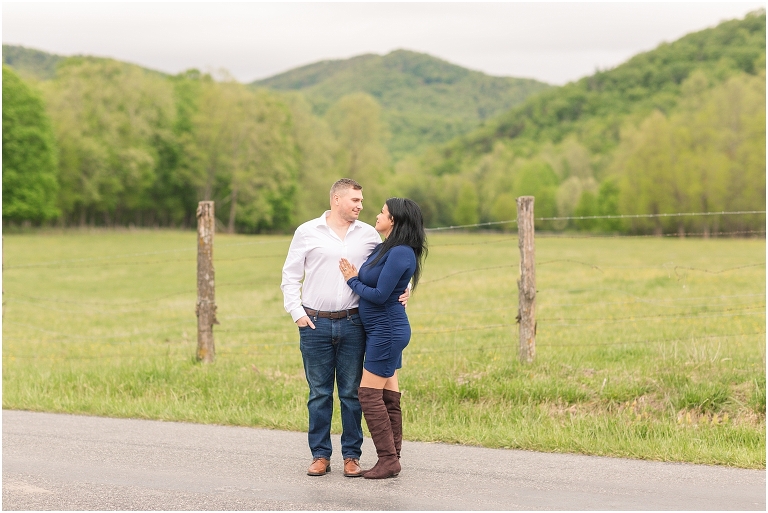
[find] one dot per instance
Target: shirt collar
(323, 221)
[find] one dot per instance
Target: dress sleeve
(396, 265)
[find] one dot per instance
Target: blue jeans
(334, 349)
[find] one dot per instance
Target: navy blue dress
(387, 330)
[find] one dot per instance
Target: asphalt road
(68, 462)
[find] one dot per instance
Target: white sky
(553, 42)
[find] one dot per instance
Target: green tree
(467, 205)
(29, 154)
(241, 152)
(504, 209)
(537, 178)
(707, 156)
(316, 172)
(495, 183)
(108, 117)
(736, 114)
(264, 162)
(174, 196)
(576, 159)
(646, 165)
(586, 207)
(608, 205)
(361, 152)
(429, 191)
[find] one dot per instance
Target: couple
(336, 334)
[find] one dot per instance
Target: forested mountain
(579, 148)
(30, 63)
(424, 100)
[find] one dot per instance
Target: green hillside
(573, 146)
(30, 63)
(596, 106)
(38, 65)
(425, 100)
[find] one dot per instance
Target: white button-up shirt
(314, 255)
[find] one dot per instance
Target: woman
(387, 272)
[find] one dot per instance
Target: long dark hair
(408, 230)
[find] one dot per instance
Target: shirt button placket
(340, 290)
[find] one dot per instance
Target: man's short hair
(345, 183)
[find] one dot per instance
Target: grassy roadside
(646, 348)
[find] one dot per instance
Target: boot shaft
(377, 419)
(392, 403)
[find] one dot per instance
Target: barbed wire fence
(755, 305)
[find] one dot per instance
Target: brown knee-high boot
(392, 402)
(377, 418)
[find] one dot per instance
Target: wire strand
(616, 216)
(638, 216)
(102, 337)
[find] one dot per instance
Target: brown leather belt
(331, 315)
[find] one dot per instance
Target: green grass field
(648, 348)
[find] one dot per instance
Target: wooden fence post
(206, 290)
(526, 283)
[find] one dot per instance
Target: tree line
(677, 129)
(105, 143)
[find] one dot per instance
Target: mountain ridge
(30, 62)
(425, 100)
(646, 81)
(40, 65)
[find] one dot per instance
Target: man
(332, 339)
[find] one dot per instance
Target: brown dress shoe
(319, 467)
(352, 467)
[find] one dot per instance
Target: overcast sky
(553, 42)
